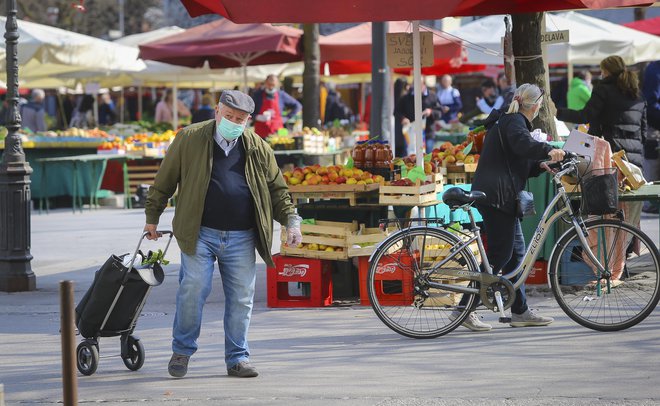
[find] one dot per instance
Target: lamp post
(15, 272)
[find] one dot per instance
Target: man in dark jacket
(33, 113)
(431, 110)
(614, 115)
(335, 109)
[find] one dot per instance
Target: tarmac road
(340, 355)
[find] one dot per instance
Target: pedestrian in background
(335, 108)
(229, 191)
(164, 112)
(616, 111)
(579, 91)
(270, 105)
(651, 165)
(83, 115)
(205, 110)
(107, 111)
(33, 114)
(449, 99)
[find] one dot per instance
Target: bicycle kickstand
(500, 308)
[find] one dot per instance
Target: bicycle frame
(539, 237)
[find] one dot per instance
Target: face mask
(270, 92)
(229, 130)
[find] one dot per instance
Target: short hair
(38, 94)
(488, 83)
(272, 76)
(207, 100)
(582, 74)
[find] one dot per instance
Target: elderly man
(33, 114)
(230, 190)
(270, 104)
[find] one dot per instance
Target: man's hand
(151, 229)
(293, 237)
(405, 121)
(556, 155)
(427, 112)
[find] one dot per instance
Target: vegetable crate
(460, 174)
(323, 240)
(365, 241)
(539, 274)
(414, 195)
(315, 276)
(394, 280)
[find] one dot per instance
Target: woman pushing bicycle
(510, 156)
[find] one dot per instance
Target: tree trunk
(640, 13)
(526, 33)
(311, 89)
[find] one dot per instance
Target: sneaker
(243, 370)
(178, 366)
(529, 319)
(472, 322)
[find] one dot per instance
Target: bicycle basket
(600, 192)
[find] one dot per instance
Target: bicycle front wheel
(625, 294)
(399, 276)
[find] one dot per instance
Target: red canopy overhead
(355, 43)
(225, 44)
(310, 11)
(649, 26)
(349, 51)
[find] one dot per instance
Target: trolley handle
(144, 235)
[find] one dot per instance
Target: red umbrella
(349, 51)
(225, 44)
(310, 11)
(649, 26)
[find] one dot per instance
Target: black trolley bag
(112, 305)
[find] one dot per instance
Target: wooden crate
(329, 233)
(618, 158)
(343, 191)
(415, 195)
(371, 236)
(569, 186)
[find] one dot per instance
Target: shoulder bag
(524, 199)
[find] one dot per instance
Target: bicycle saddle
(456, 196)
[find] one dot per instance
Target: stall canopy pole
(175, 110)
(139, 95)
(417, 83)
(569, 72)
(122, 104)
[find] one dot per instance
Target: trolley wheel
(134, 358)
(87, 357)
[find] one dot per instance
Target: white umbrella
(590, 40)
(45, 51)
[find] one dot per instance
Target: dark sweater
(522, 152)
(615, 116)
(228, 205)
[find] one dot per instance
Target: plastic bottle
(370, 155)
(358, 154)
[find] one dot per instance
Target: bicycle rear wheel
(622, 297)
(398, 279)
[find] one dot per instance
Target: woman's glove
(293, 234)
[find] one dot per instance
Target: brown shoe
(243, 370)
(178, 366)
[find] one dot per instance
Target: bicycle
(423, 281)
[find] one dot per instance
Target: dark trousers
(506, 248)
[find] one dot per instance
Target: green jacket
(578, 94)
(188, 165)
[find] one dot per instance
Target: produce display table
(649, 192)
(343, 192)
(81, 175)
(338, 156)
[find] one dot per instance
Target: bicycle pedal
(505, 320)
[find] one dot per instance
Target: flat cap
(237, 100)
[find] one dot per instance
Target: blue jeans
(235, 253)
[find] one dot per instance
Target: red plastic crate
(391, 269)
(316, 272)
(538, 275)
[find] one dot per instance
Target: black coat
(618, 118)
(522, 152)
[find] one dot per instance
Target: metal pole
(121, 18)
(139, 117)
(122, 103)
(417, 82)
(69, 378)
(175, 107)
(380, 92)
(15, 271)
